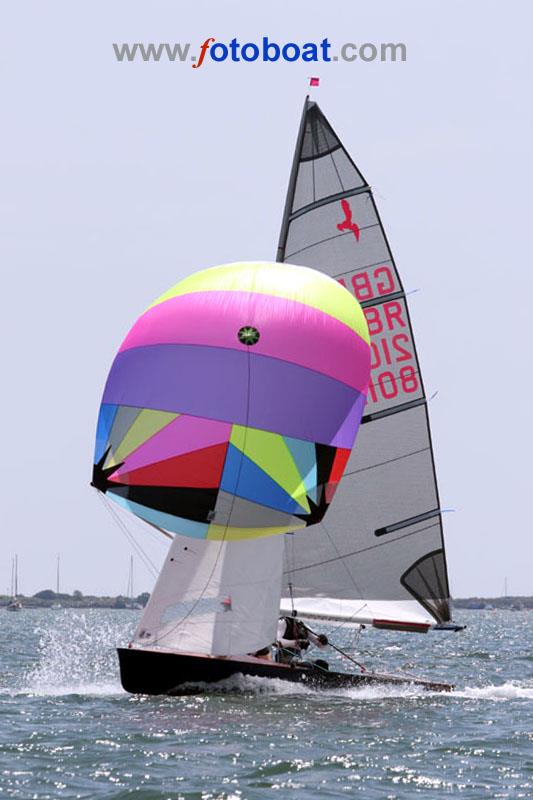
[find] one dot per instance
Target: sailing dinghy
(227, 423)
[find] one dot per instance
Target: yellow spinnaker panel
(221, 532)
(146, 425)
(271, 454)
(279, 280)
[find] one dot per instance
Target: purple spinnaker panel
(213, 383)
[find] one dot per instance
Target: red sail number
(369, 284)
(389, 351)
(385, 385)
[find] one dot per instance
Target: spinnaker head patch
(248, 335)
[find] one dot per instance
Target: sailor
(295, 637)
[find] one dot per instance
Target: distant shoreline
(49, 599)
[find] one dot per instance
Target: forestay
(382, 543)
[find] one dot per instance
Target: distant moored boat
(14, 604)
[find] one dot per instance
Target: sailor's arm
(319, 639)
(288, 642)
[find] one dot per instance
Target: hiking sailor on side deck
(294, 637)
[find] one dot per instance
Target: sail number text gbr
(394, 371)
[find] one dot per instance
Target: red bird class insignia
(347, 224)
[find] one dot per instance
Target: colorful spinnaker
(232, 406)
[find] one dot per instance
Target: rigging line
(148, 563)
(222, 541)
(329, 239)
(122, 526)
(289, 552)
(146, 560)
(151, 528)
(366, 549)
(357, 589)
(349, 620)
(342, 653)
(354, 639)
(383, 463)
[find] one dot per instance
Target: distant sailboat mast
(14, 604)
(129, 591)
(56, 604)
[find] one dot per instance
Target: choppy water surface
(67, 730)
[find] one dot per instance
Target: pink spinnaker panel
(214, 319)
(182, 435)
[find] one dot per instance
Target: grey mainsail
(380, 555)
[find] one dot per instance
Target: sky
(119, 179)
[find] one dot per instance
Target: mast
(16, 575)
(280, 256)
(57, 575)
(382, 542)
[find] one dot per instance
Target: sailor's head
(294, 612)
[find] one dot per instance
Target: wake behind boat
(228, 421)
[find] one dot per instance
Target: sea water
(67, 730)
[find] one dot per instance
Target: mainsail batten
(383, 537)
